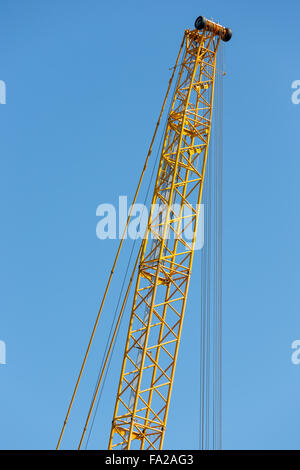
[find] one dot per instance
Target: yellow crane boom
(166, 258)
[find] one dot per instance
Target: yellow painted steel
(148, 368)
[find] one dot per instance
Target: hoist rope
(108, 352)
(114, 338)
(210, 435)
(118, 253)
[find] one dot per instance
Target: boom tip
(224, 33)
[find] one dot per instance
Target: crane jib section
(165, 264)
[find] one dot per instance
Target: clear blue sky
(85, 81)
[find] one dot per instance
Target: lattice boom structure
(161, 290)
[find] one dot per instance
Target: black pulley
(200, 22)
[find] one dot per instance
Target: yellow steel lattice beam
(154, 332)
